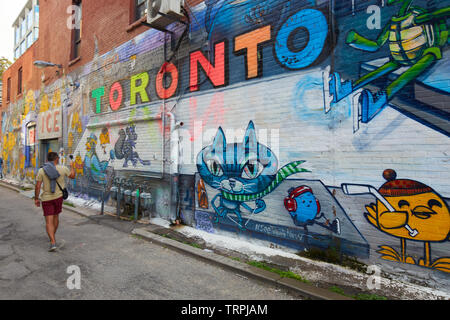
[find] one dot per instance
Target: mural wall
(310, 124)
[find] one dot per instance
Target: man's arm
(37, 192)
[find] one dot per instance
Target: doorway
(46, 147)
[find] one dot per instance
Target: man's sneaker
(53, 247)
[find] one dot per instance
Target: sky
(9, 11)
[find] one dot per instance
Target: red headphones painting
(289, 202)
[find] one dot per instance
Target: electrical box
(161, 13)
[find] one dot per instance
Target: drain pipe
(175, 163)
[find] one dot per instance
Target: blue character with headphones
(305, 210)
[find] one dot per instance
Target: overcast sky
(9, 11)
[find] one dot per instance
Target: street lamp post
(45, 64)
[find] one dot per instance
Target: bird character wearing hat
(416, 207)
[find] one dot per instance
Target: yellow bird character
(411, 211)
(104, 139)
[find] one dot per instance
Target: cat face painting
(237, 168)
(243, 173)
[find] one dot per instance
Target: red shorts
(53, 207)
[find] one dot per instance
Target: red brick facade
(108, 23)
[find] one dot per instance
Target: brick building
(309, 124)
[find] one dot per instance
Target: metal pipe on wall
(175, 162)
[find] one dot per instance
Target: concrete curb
(292, 285)
(296, 286)
(8, 186)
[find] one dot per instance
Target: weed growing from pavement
(365, 296)
(337, 290)
(192, 244)
(359, 296)
(283, 274)
(195, 245)
(136, 236)
(333, 255)
(69, 204)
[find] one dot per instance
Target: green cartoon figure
(416, 38)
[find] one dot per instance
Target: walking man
(51, 177)
(1, 168)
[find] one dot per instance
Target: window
(19, 81)
(36, 15)
(17, 53)
(30, 19)
(23, 28)
(76, 32)
(23, 47)
(8, 90)
(29, 39)
(30, 150)
(139, 9)
(17, 38)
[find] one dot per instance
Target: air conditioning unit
(161, 13)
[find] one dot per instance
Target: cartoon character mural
(408, 210)
(104, 139)
(29, 103)
(202, 195)
(70, 141)
(305, 210)
(78, 165)
(242, 172)
(416, 39)
(76, 124)
(124, 148)
(93, 167)
(254, 12)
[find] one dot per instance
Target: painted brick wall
(284, 138)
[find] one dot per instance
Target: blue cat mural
(242, 172)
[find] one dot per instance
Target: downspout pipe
(175, 162)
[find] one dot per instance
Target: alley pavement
(113, 264)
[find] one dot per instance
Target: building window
(76, 32)
(30, 19)
(36, 15)
(29, 39)
(17, 38)
(23, 47)
(8, 90)
(139, 9)
(19, 81)
(23, 28)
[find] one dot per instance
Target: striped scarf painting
(282, 174)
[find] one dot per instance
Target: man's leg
(50, 227)
(58, 209)
(56, 222)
